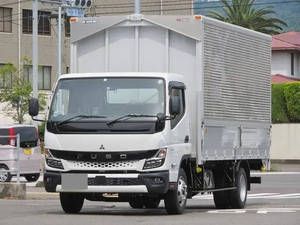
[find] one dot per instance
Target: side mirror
(33, 107)
(174, 105)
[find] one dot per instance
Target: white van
(30, 153)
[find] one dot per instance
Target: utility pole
(35, 52)
(19, 38)
(59, 41)
(137, 7)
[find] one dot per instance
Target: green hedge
(279, 111)
(292, 97)
(286, 102)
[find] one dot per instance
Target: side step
(255, 180)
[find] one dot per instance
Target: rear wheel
(175, 200)
(32, 177)
(238, 197)
(71, 202)
(221, 198)
(5, 175)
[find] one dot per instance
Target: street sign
(75, 12)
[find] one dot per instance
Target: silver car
(29, 153)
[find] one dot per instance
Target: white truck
(159, 108)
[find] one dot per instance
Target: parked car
(30, 153)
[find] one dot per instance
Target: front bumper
(152, 183)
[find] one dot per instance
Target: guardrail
(17, 158)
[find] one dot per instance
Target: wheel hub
(3, 175)
(181, 191)
(243, 188)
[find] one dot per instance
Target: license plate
(27, 151)
(73, 181)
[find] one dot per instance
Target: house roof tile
(286, 41)
(279, 78)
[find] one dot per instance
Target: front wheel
(175, 200)
(238, 196)
(71, 202)
(5, 175)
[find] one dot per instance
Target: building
(16, 34)
(286, 54)
(278, 79)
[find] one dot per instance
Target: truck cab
(123, 133)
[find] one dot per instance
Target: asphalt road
(274, 202)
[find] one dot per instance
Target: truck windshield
(105, 99)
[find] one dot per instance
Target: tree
(243, 13)
(16, 91)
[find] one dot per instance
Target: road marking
(258, 211)
(231, 211)
(283, 196)
(275, 173)
(262, 194)
(262, 212)
(256, 196)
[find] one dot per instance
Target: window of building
(292, 64)
(44, 26)
(44, 76)
(67, 26)
(67, 69)
(5, 19)
(5, 79)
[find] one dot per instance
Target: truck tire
(151, 203)
(136, 203)
(238, 197)
(221, 198)
(175, 200)
(32, 177)
(5, 176)
(71, 202)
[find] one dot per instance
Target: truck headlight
(54, 163)
(157, 161)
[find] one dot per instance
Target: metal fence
(15, 148)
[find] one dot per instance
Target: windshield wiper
(77, 117)
(129, 116)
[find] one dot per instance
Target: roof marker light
(73, 19)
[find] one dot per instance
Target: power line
(127, 5)
(156, 10)
(16, 14)
(171, 2)
(195, 8)
(14, 3)
(27, 17)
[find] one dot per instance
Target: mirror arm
(38, 119)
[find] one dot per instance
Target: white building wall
(297, 69)
(281, 63)
(285, 142)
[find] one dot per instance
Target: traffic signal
(81, 3)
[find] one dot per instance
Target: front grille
(102, 156)
(103, 165)
(113, 181)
